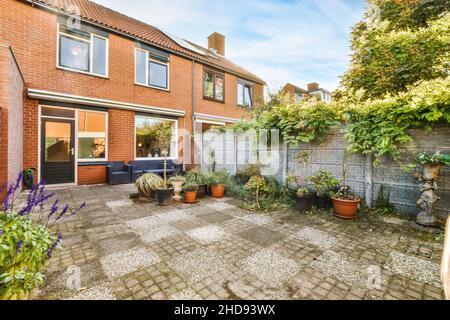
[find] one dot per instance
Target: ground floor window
(154, 135)
(91, 135)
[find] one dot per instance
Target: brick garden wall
(11, 124)
(15, 121)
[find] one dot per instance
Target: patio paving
(124, 249)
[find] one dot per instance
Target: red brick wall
(91, 174)
(30, 133)
(229, 107)
(120, 135)
(32, 33)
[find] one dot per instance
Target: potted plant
(345, 203)
(190, 192)
(177, 183)
(164, 135)
(147, 185)
(217, 182)
(324, 182)
(198, 177)
(432, 164)
(304, 199)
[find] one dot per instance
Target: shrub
(196, 176)
(324, 182)
(258, 185)
(219, 177)
(26, 239)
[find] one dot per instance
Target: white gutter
(69, 98)
(199, 117)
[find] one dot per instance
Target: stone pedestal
(428, 197)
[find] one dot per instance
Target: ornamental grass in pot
(217, 182)
(147, 185)
(190, 192)
(196, 176)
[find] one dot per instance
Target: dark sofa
(117, 172)
(139, 167)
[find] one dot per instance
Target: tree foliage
(399, 43)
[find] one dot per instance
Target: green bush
(324, 182)
(26, 239)
(25, 248)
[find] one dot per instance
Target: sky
(296, 41)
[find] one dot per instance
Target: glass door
(57, 151)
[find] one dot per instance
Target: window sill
(92, 163)
(83, 72)
(159, 159)
(152, 87)
(213, 100)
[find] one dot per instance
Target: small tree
(258, 185)
(164, 136)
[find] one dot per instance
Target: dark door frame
(62, 172)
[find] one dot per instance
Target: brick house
(82, 85)
(314, 90)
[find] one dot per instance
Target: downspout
(192, 113)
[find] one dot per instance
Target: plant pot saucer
(343, 217)
(191, 201)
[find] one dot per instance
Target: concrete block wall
(364, 178)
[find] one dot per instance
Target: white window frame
(90, 136)
(91, 53)
(245, 83)
(147, 78)
(157, 118)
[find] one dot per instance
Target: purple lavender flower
(1, 232)
(54, 208)
(19, 246)
(7, 198)
(63, 212)
(76, 210)
(54, 245)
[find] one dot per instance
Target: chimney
(313, 86)
(216, 41)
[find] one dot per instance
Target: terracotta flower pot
(190, 196)
(217, 190)
(345, 209)
(432, 171)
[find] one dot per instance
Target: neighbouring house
(82, 85)
(313, 90)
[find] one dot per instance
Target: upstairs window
(244, 94)
(82, 51)
(151, 68)
(213, 85)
